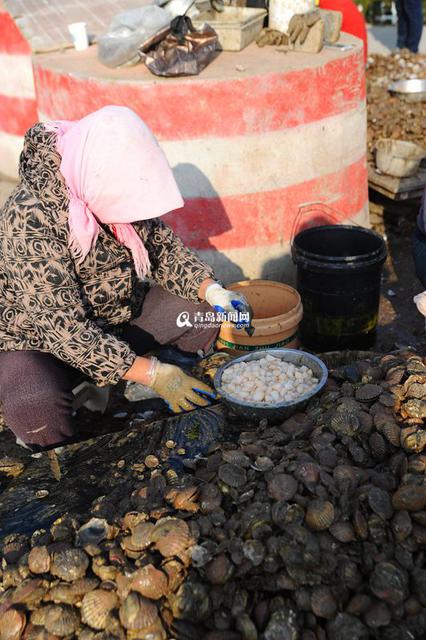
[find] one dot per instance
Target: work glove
(180, 392)
(229, 302)
(272, 37)
(300, 25)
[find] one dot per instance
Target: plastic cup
(78, 31)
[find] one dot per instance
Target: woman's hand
(229, 302)
(180, 391)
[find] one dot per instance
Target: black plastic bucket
(338, 277)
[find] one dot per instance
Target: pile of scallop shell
(313, 529)
(390, 116)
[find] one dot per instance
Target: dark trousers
(410, 24)
(36, 388)
(419, 255)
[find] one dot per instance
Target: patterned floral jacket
(48, 302)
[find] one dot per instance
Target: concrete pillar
(251, 140)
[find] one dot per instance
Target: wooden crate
(397, 188)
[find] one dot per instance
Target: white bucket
(78, 31)
(282, 11)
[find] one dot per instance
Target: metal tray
(413, 90)
(274, 413)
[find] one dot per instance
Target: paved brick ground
(383, 39)
(44, 24)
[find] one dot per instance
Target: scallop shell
(389, 582)
(13, 547)
(39, 560)
(412, 606)
(237, 457)
(97, 606)
(380, 503)
(219, 570)
(210, 498)
(29, 592)
(395, 374)
(359, 604)
(409, 498)
(418, 579)
(63, 529)
(175, 571)
(38, 616)
(69, 564)
(392, 433)
(417, 464)
(319, 515)
(282, 486)
(360, 525)
(378, 615)
(140, 538)
(171, 536)
(93, 531)
(132, 518)
(151, 462)
(61, 620)
(413, 438)
(12, 624)
(137, 613)
(183, 499)
(307, 472)
(63, 594)
(345, 423)
(368, 392)
(387, 399)
(414, 365)
(346, 474)
(155, 632)
(342, 531)
(377, 446)
(37, 633)
(149, 582)
(232, 475)
(323, 603)
(415, 408)
(254, 550)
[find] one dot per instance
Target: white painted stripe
(206, 168)
(269, 261)
(269, 161)
(16, 76)
(10, 149)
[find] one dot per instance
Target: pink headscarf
(116, 174)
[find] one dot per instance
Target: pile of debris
(314, 529)
(390, 116)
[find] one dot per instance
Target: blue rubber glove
(230, 303)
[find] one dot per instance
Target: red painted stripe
(205, 108)
(11, 39)
(253, 220)
(17, 114)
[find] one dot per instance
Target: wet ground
(400, 324)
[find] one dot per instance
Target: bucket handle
(319, 214)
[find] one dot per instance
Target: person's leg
(36, 396)
(414, 11)
(167, 319)
(419, 255)
(402, 25)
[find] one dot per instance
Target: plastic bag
(128, 31)
(184, 51)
